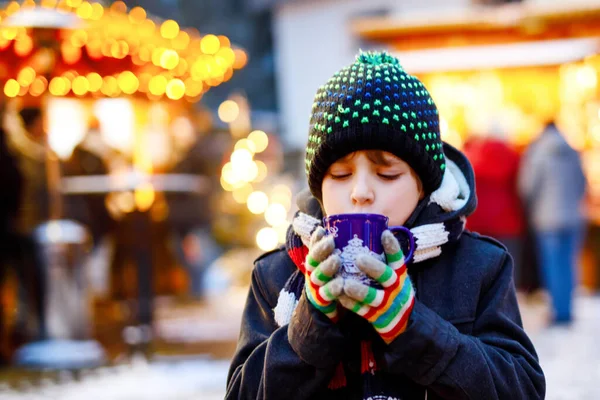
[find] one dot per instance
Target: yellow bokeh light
(128, 82)
(11, 88)
(79, 38)
(210, 44)
(168, 59)
(59, 86)
(228, 175)
(228, 111)
(225, 57)
(169, 29)
(9, 33)
(158, 85)
(245, 144)
(175, 89)
(241, 194)
(262, 171)
(95, 81)
(125, 201)
(137, 15)
(80, 85)
(144, 196)
(23, 45)
(241, 157)
(49, 3)
(74, 3)
(258, 202)
(12, 7)
(181, 41)
(144, 79)
(260, 140)
(85, 11)
(38, 86)
(281, 194)
(97, 11)
(110, 86)
(70, 53)
(193, 87)
(226, 185)
(119, 49)
(276, 214)
(26, 76)
(267, 239)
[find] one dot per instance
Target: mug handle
(411, 241)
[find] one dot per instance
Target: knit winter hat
(373, 104)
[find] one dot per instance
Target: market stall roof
(511, 23)
(538, 53)
(84, 48)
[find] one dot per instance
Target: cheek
(334, 196)
(401, 207)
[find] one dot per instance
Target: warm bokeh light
(95, 81)
(267, 239)
(261, 171)
(137, 15)
(245, 144)
(80, 86)
(228, 111)
(38, 87)
(169, 59)
(175, 89)
(241, 59)
(11, 88)
(144, 196)
(158, 85)
(258, 202)
(58, 86)
(169, 29)
(26, 76)
(67, 125)
(241, 194)
(128, 82)
(281, 194)
(241, 157)
(260, 140)
(275, 214)
(210, 44)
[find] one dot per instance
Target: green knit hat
(373, 104)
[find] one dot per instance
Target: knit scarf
(429, 240)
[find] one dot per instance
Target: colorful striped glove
(387, 309)
(322, 290)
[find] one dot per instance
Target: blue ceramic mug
(356, 234)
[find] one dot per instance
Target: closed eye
(339, 176)
(389, 177)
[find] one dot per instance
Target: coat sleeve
(498, 361)
(294, 361)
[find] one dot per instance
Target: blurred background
(150, 150)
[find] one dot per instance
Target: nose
(362, 192)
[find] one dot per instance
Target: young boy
(445, 326)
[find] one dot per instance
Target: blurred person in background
(18, 258)
(552, 185)
(499, 213)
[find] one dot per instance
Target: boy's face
(372, 181)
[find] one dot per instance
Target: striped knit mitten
(321, 265)
(387, 309)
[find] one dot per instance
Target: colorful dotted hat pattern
(374, 104)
